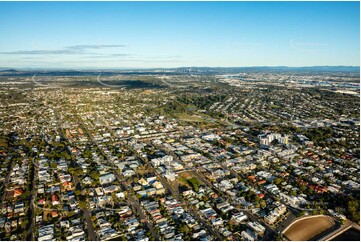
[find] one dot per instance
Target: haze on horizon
(174, 34)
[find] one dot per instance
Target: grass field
(189, 118)
(185, 174)
(182, 178)
(308, 228)
(188, 180)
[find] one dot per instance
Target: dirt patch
(182, 178)
(185, 174)
(309, 228)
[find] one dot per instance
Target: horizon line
(179, 67)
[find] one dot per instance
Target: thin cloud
(308, 46)
(140, 60)
(102, 56)
(116, 55)
(69, 50)
(160, 61)
(83, 47)
(38, 52)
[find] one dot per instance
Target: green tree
(353, 210)
(303, 188)
(94, 175)
(277, 181)
(184, 229)
(77, 192)
(293, 193)
(263, 203)
(53, 165)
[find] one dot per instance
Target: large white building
(266, 139)
(106, 178)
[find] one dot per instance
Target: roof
(18, 191)
(54, 198)
(261, 195)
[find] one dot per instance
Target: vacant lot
(308, 228)
(188, 118)
(188, 180)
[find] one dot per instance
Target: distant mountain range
(181, 70)
(7, 70)
(279, 68)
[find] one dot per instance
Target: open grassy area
(189, 118)
(182, 178)
(188, 180)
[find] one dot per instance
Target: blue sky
(174, 34)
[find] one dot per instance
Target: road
(133, 202)
(86, 213)
(31, 224)
(189, 207)
(281, 226)
(165, 183)
(250, 215)
(176, 195)
(6, 181)
(204, 180)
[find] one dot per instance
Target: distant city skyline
(176, 34)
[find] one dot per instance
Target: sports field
(308, 228)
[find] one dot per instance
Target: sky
(178, 34)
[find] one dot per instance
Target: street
(86, 213)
